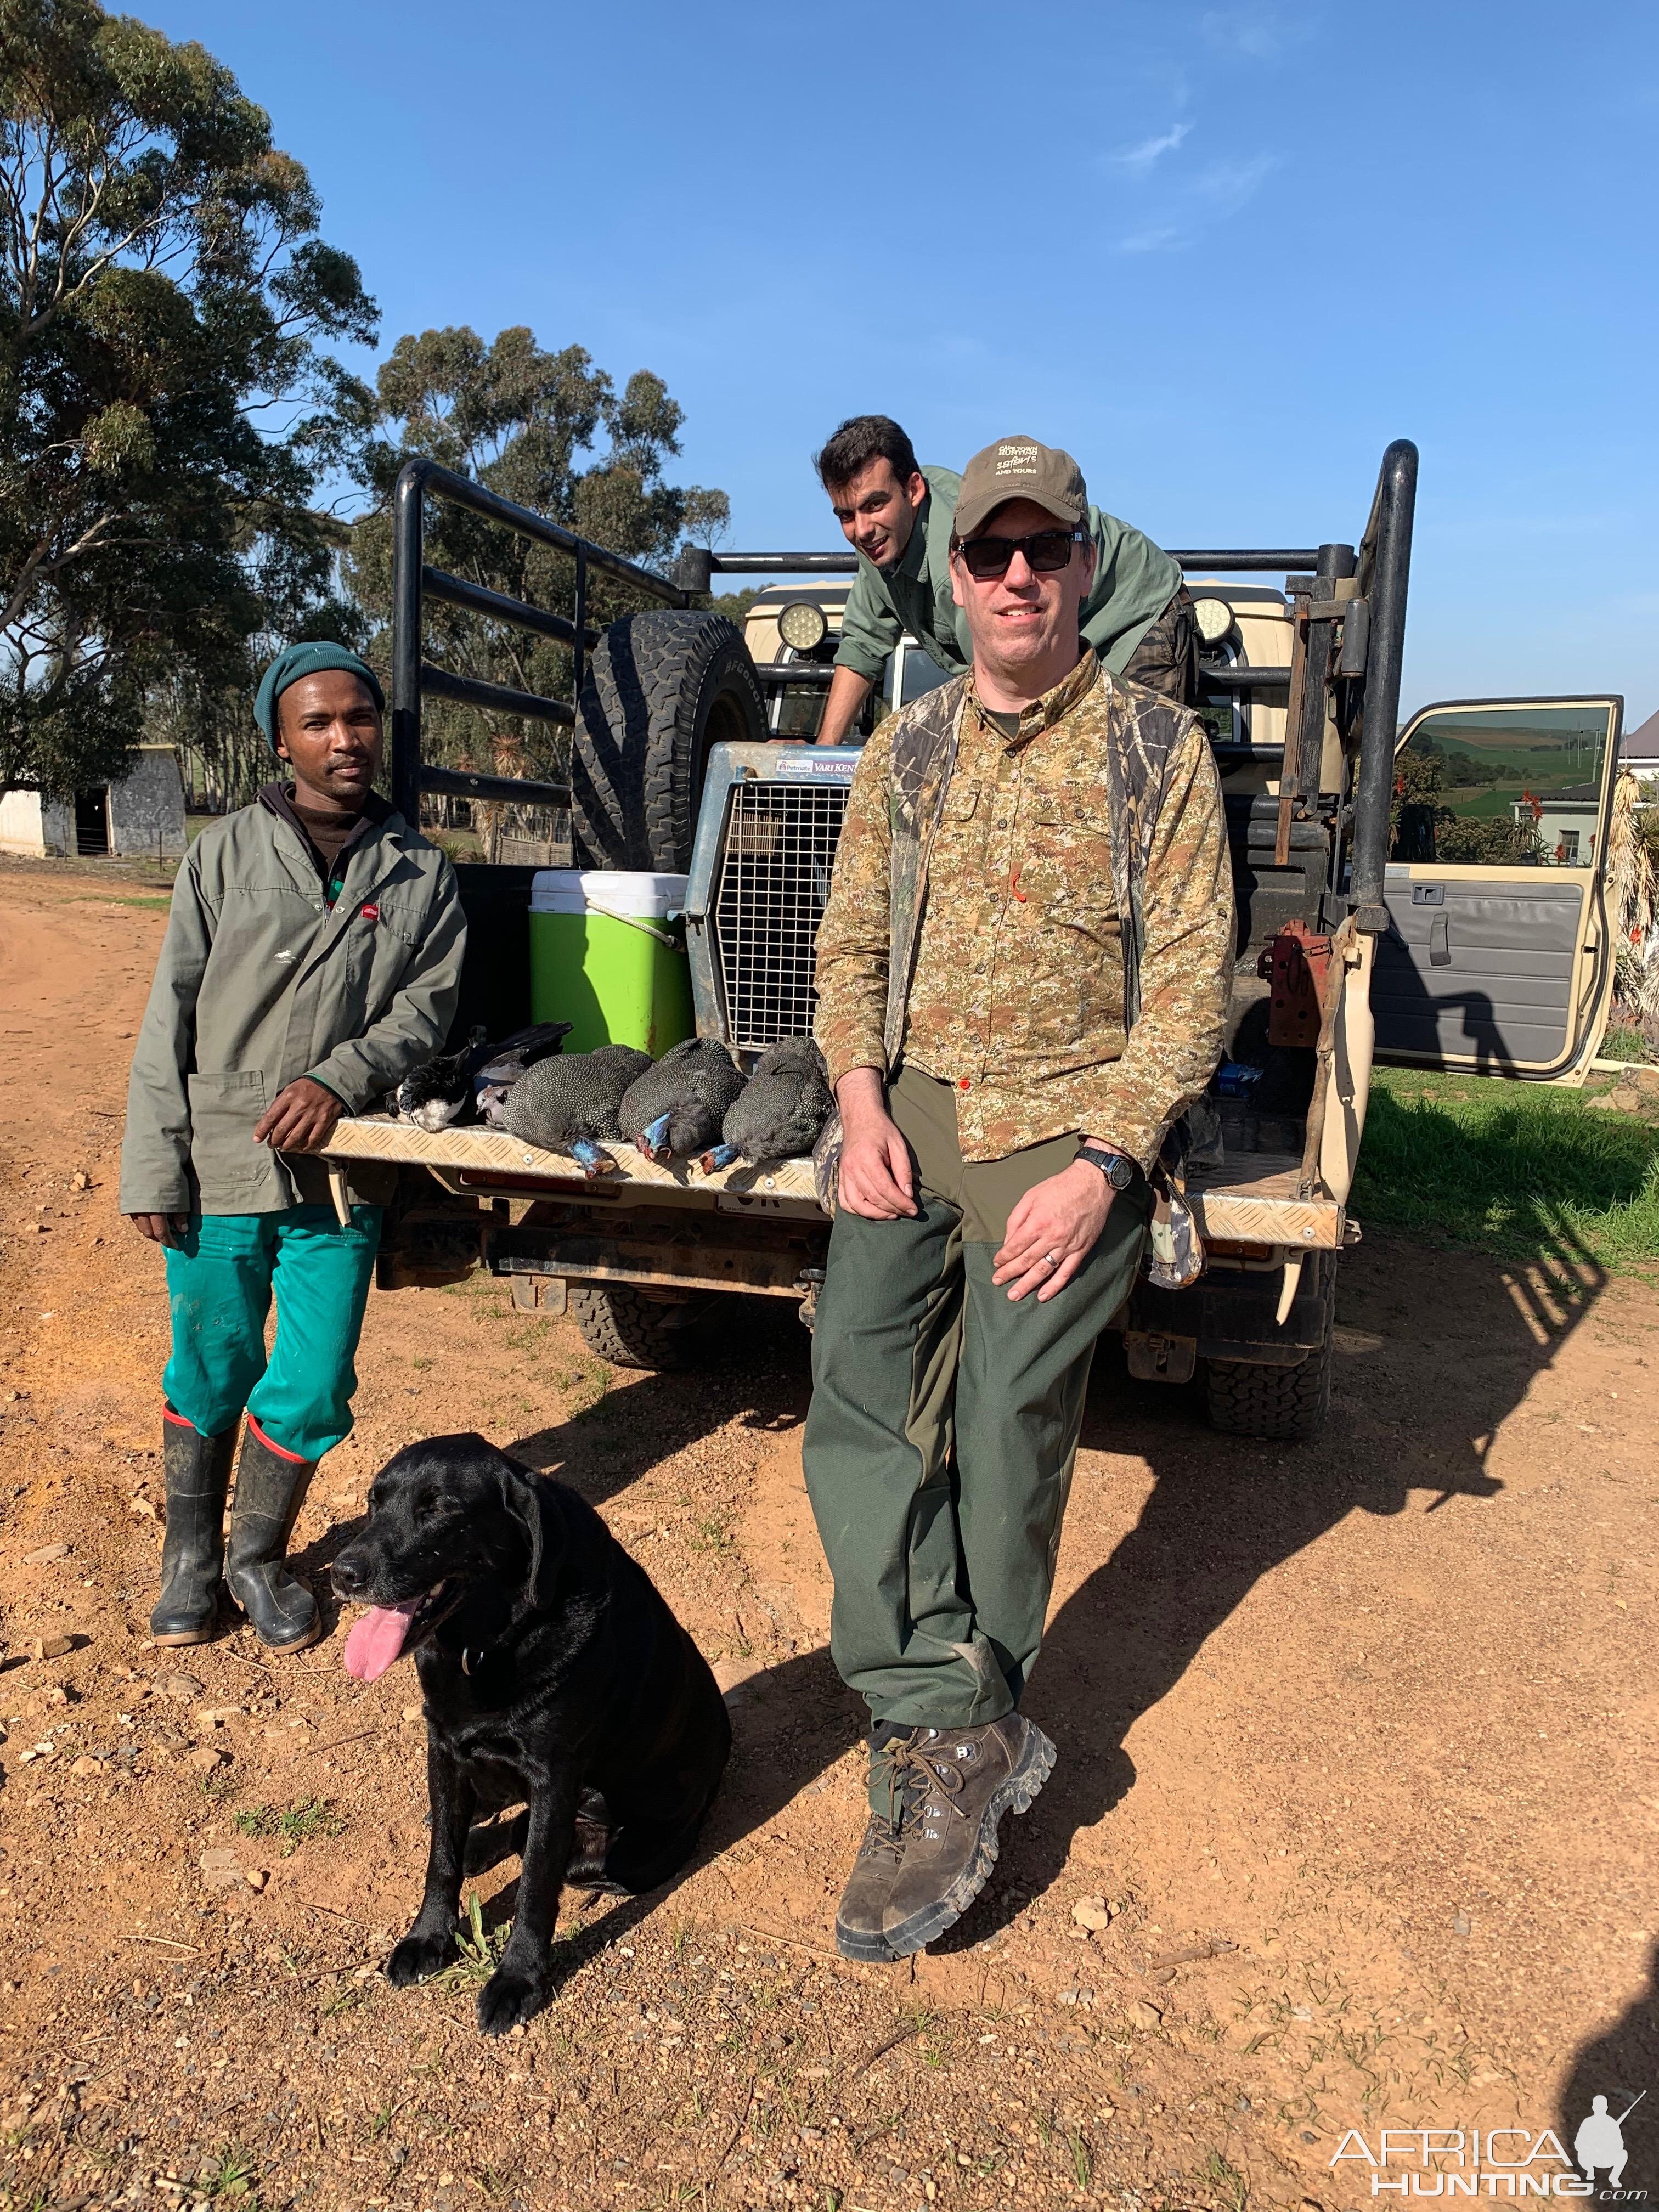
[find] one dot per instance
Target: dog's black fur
(555, 1676)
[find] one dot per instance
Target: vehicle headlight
(1214, 619)
(802, 625)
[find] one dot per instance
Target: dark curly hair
(861, 440)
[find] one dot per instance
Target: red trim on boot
(167, 1414)
(297, 1459)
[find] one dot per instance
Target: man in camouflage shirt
(1023, 976)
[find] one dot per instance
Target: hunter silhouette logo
(1600, 2141)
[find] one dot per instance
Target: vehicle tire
(1289, 1403)
(660, 691)
(629, 1329)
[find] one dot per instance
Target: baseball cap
(1019, 468)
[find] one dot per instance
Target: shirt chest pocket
(1064, 865)
(379, 939)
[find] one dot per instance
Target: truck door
(1499, 957)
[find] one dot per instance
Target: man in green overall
(1136, 612)
(312, 957)
(1023, 978)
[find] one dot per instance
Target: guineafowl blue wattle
(783, 1108)
(570, 1102)
(678, 1104)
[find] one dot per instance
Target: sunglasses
(1045, 551)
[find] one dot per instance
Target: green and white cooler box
(607, 954)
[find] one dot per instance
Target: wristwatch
(1118, 1168)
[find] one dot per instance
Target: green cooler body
(605, 956)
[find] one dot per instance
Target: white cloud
(1262, 34)
(1225, 186)
(1140, 158)
(1163, 238)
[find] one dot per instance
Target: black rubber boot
(270, 1488)
(198, 1470)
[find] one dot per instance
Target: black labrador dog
(554, 1676)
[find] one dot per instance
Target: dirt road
(1355, 1762)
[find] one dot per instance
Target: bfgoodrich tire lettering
(660, 691)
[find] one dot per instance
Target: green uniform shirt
(1134, 581)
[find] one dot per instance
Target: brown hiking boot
(863, 1902)
(895, 1788)
(969, 1778)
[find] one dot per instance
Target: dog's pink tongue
(377, 1639)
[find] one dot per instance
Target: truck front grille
(774, 884)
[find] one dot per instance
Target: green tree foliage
(167, 408)
(550, 431)
(1423, 828)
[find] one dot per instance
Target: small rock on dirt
(220, 1867)
(1144, 2014)
(258, 1879)
(207, 1757)
(1092, 1913)
(183, 1688)
(53, 1647)
(86, 1766)
(46, 1554)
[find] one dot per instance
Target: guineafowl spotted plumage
(568, 1103)
(782, 1111)
(678, 1104)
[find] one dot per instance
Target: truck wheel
(631, 1330)
(1287, 1402)
(660, 691)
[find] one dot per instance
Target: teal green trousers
(944, 1423)
(221, 1281)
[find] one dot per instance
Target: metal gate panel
(771, 890)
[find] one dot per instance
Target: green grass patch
(1624, 1042)
(1524, 1170)
(292, 1826)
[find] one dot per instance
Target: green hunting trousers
(220, 1280)
(944, 1423)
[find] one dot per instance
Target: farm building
(144, 813)
(1638, 751)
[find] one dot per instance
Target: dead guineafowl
(569, 1104)
(678, 1104)
(444, 1089)
(782, 1112)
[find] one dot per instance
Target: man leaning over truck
(1136, 613)
(313, 957)
(1031, 852)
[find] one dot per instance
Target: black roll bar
(696, 567)
(413, 582)
(1385, 558)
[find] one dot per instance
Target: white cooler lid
(572, 891)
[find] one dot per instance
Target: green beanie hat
(308, 660)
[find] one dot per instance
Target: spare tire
(660, 691)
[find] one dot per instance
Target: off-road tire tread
(633, 804)
(1287, 1403)
(631, 1330)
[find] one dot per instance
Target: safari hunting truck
(1445, 908)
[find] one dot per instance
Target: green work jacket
(260, 981)
(1134, 581)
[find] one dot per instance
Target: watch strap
(1118, 1168)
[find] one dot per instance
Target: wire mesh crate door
(774, 886)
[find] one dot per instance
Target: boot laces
(908, 1767)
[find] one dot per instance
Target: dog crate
(768, 829)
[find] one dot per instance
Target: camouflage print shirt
(975, 922)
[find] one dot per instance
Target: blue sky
(1224, 253)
